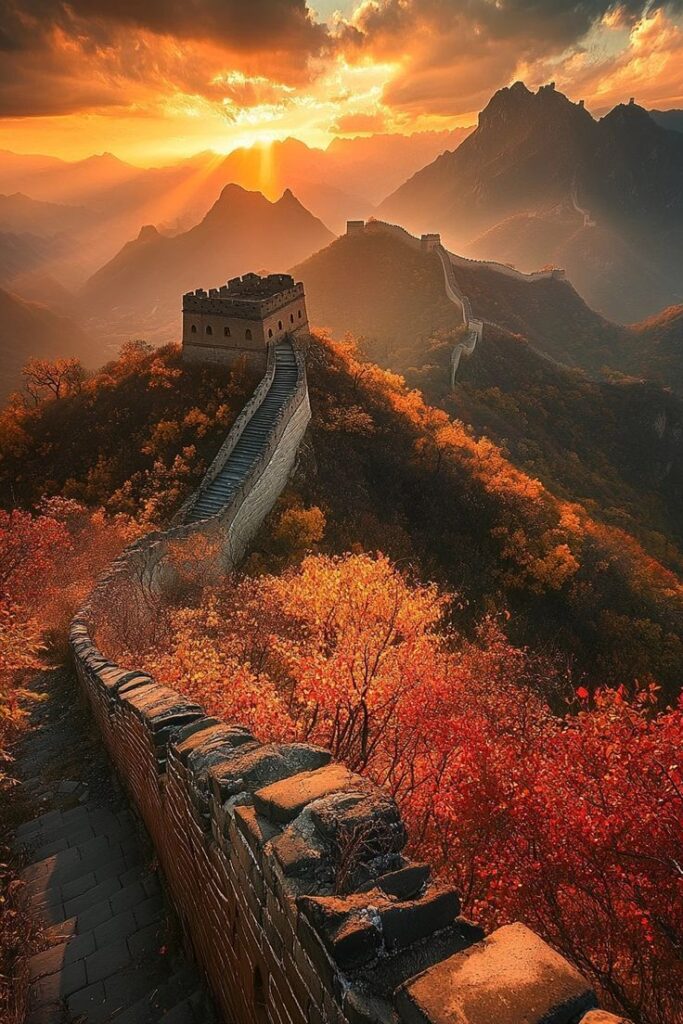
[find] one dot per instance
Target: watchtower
(430, 242)
(238, 320)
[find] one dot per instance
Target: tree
(45, 378)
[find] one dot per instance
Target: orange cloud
(221, 73)
(650, 67)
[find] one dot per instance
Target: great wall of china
(250, 835)
(474, 327)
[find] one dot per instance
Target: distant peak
(231, 190)
(517, 101)
(288, 199)
(629, 113)
(147, 233)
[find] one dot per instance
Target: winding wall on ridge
(474, 327)
(252, 836)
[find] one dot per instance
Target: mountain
(62, 181)
(28, 329)
(671, 119)
(600, 197)
(341, 182)
(143, 284)
(21, 213)
(612, 442)
(24, 253)
(399, 302)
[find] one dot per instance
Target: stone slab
(283, 801)
(512, 977)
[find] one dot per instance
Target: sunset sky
(153, 80)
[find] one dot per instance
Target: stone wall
(287, 870)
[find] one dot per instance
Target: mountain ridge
(606, 192)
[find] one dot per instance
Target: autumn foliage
(528, 726)
(570, 822)
(48, 562)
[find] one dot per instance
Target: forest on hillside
(408, 566)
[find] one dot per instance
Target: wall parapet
(252, 836)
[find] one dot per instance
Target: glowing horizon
(155, 87)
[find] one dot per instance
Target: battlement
(249, 297)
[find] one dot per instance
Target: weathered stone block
(252, 766)
(512, 977)
(284, 800)
(405, 883)
(299, 857)
(406, 922)
(256, 829)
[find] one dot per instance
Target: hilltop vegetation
(134, 437)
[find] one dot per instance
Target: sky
(157, 80)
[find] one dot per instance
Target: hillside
(389, 474)
(28, 329)
(598, 208)
(615, 445)
(144, 282)
(20, 213)
(671, 119)
(399, 299)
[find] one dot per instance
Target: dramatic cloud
(454, 53)
(649, 67)
(217, 73)
(59, 58)
(253, 26)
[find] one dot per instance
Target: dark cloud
(239, 25)
(59, 58)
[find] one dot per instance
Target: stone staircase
(218, 493)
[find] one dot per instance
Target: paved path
(111, 945)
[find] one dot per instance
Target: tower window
(226, 332)
(291, 318)
(299, 314)
(209, 329)
(247, 334)
(193, 329)
(279, 325)
(270, 332)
